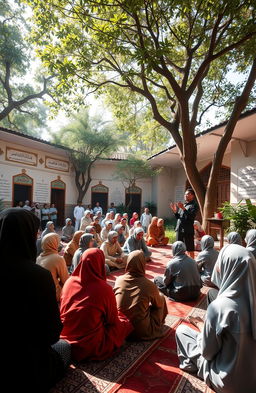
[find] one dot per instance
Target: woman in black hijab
(30, 316)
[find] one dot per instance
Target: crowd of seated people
(72, 313)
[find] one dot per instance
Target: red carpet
(141, 367)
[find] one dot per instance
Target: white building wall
(243, 171)
(42, 176)
(103, 171)
(164, 191)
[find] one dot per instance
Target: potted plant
(239, 216)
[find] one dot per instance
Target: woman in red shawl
(134, 218)
(91, 323)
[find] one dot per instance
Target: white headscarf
(137, 230)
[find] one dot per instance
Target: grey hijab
(250, 239)
(85, 241)
(234, 238)
(237, 272)
(67, 220)
(207, 242)
(47, 229)
(178, 249)
(83, 245)
(207, 258)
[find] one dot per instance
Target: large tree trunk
(188, 154)
(82, 181)
(240, 104)
(206, 198)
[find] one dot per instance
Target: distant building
(40, 171)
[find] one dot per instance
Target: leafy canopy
(133, 169)
(19, 104)
(88, 138)
(158, 49)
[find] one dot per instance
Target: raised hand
(180, 205)
(173, 206)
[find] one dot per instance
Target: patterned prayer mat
(161, 367)
(189, 382)
(106, 376)
(141, 367)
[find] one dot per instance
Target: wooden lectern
(217, 224)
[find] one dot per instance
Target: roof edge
(208, 130)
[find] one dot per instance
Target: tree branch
(212, 57)
(12, 104)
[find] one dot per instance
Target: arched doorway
(133, 198)
(58, 191)
(100, 194)
(22, 188)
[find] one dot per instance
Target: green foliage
(133, 119)
(88, 138)
(131, 44)
(31, 123)
(241, 216)
(19, 108)
(124, 209)
(133, 169)
(170, 233)
(252, 211)
(174, 54)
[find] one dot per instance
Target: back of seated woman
(250, 240)
(225, 349)
(234, 238)
(206, 260)
(30, 315)
(139, 299)
(181, 281)
(71, 247)
(91, 323)
(52, 261)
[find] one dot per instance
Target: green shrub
(242, 216)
